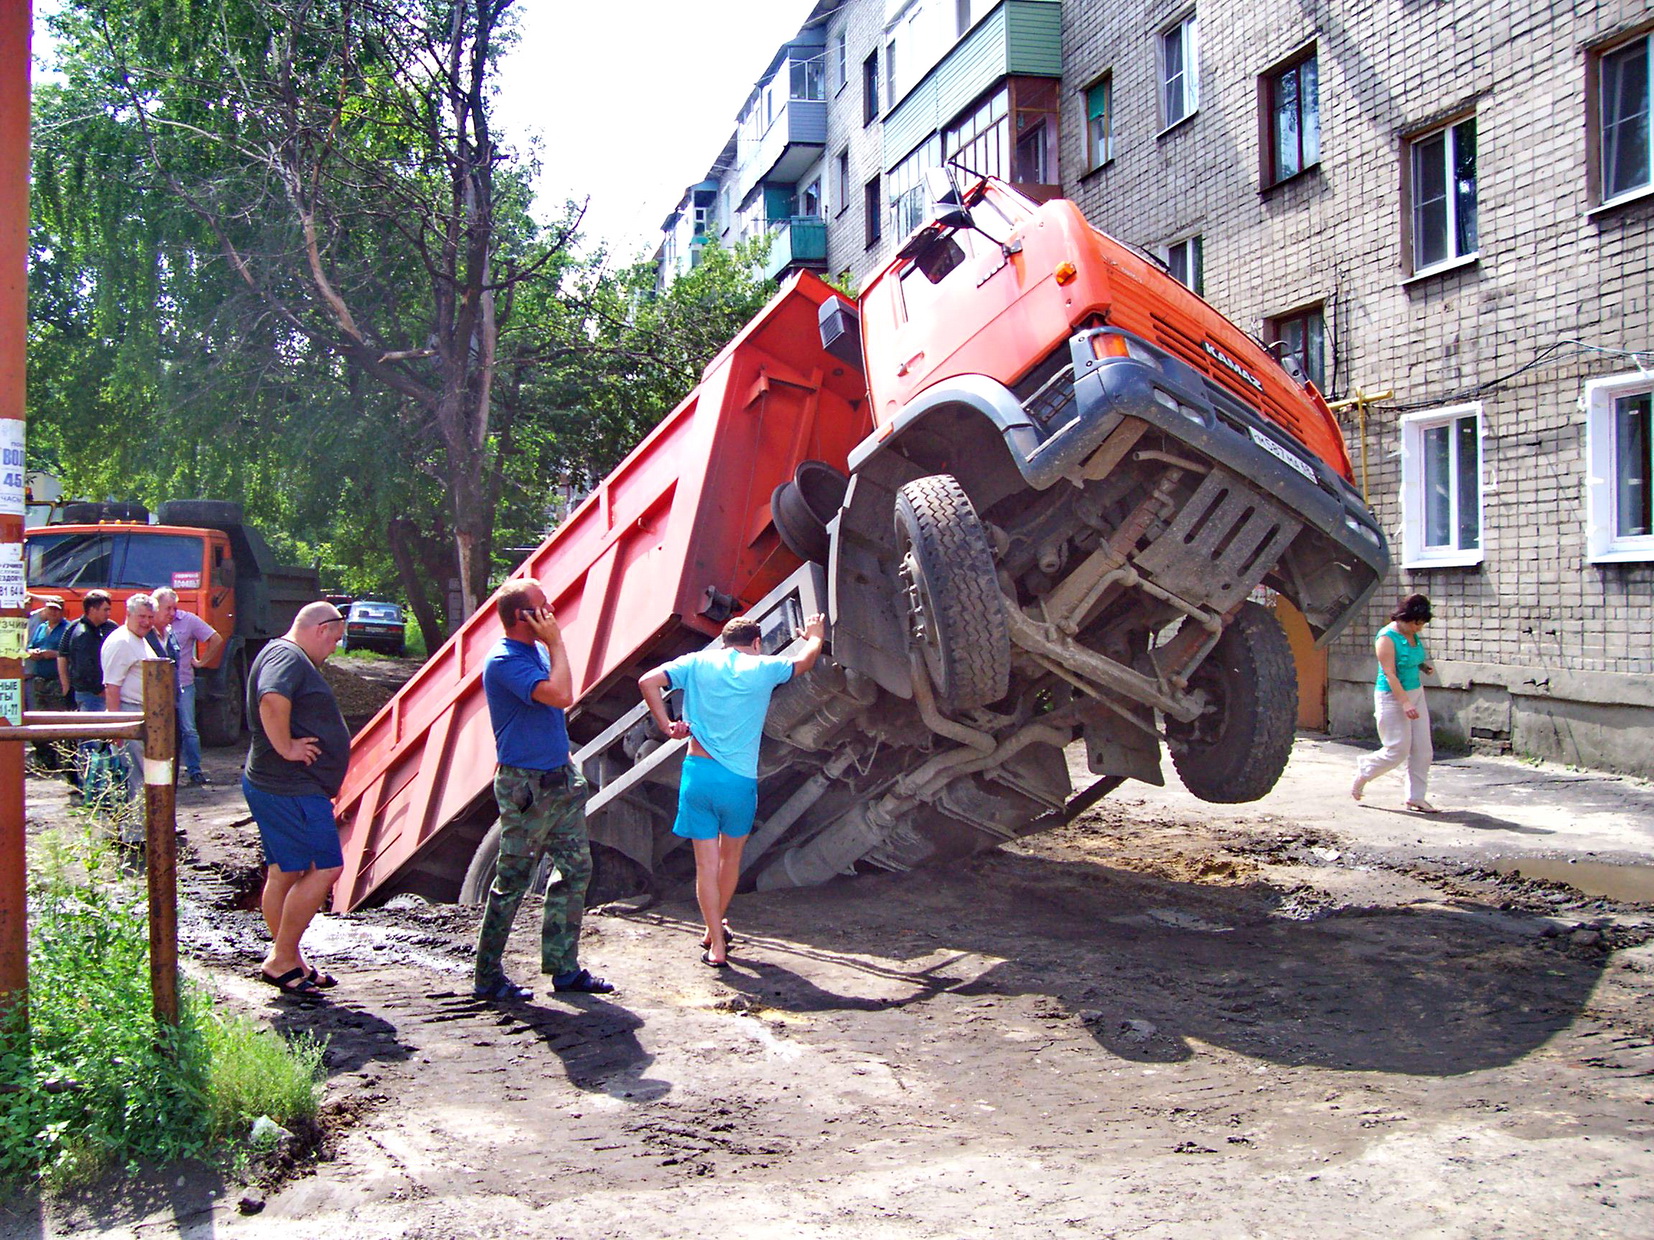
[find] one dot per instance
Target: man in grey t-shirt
(298, 758)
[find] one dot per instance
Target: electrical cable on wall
(1643, 358)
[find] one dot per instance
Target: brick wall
(1548, 270)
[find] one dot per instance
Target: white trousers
(1405, 741)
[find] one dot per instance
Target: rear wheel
(955, 611)
(1237, 749)
(220, 719)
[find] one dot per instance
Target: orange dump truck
(1033, 481)
(221, 567)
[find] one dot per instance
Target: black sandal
(706, 959)
(320, 980)
(583, 983)
(502, 990)
(294, 983)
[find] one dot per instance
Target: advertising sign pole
(14, 308)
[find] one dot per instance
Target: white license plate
(1274, 449)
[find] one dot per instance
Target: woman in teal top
(1398, 704)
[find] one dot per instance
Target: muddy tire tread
(1247, 759)
(973, 637)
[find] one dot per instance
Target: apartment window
(841, 181)
(870, 89)
(1099, 122)
(1179, 72)
(1625, 134)
(840, 62)
(1441, 487)
(909, 206)
(961, 16)
(1292, 107)
(1302, 337)
(890, 72)
(809, 79)
(1619, 449)
(1443, 165)
(1184, 261)
(873, 221)
(809, 197)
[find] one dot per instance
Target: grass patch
(97, 1083)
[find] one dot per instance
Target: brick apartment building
(1446, 205)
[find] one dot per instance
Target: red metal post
(15, 18)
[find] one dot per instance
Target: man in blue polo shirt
(726, 694)
(542, 798)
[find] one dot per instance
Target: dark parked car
(375, 626)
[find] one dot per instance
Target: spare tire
(212, 514)
(90, 513)
(802, 507)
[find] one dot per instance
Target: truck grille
(1189, 349)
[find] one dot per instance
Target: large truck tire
(86, 512)
(220, 720)
(1237, 749)
(953, 598)
(479, 875)
(211, 514)
(614, 875)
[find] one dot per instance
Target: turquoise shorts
(713, 800)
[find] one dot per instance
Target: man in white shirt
(124, 652)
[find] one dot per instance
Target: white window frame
(1602, 121)
(1604, 545)
(1415, 554)
(1449, 135)
(1189, 68)
(1194, 262)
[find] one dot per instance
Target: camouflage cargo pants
(540, 813)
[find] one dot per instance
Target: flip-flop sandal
(706, 959)
(293, 983)
(320, 980)
(729, 937)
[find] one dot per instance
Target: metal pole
(15, 20)
(160, 833)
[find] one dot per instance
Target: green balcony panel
(1020, 37)
(798, 242)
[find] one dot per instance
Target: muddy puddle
(1628, 883)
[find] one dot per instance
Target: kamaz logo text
(1230, 364)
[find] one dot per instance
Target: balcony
(1017, 38)
(800, 241)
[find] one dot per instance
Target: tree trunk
(400, 533)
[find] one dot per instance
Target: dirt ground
(1296, 1018)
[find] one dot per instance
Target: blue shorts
(713, 800)
(298, 832)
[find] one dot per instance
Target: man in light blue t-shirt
(726, 694)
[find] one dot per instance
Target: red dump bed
(685, 518)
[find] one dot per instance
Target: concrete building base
(1602, 720)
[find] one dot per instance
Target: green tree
(303, 213)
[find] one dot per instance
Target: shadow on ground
(1152, 965)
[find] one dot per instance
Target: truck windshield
(119, 561)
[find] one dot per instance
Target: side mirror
(947, 204)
